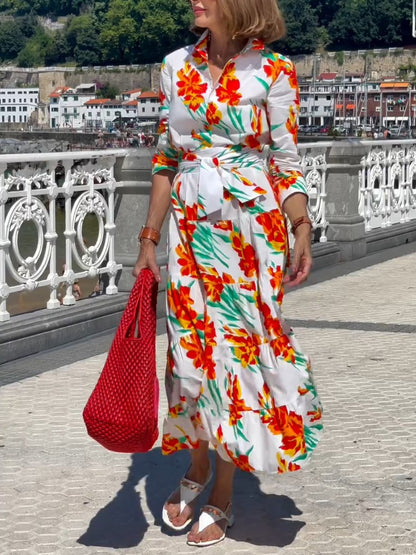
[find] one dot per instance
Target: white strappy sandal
(188, 492)
(209, 515)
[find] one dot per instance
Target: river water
(28, 301)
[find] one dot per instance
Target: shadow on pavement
(260, 519)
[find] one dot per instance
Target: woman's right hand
(147, 259)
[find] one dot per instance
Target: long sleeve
(166, 156)
(282, 111)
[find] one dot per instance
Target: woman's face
(206, 14)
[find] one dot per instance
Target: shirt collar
(200, 51)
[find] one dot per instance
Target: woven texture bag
(122, 411)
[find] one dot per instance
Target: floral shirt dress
(236, 375)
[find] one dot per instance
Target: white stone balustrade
(30, 186)
(388, 184)
(350, 183)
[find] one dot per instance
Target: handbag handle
(141, 301)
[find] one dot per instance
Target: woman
(227, 165)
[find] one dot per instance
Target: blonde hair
(245, 19)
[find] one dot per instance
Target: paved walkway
(62, 493)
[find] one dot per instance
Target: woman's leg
(198, 472)
(221, 496)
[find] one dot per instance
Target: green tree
(58, 50)
(34, 51)
(163, 26)
(118, 37)
(303, 33)
(82, 36)
(12, 40)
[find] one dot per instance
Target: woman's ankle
(199, 471)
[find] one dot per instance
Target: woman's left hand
(301, 265)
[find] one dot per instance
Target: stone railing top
(56, 156)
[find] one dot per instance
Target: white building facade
(18, 104)
(67, 106)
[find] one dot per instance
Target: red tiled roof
(149, 94)
(59, 91)
(328, 76)
(96, 101)
(131, 103)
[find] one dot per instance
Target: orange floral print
(246, 253)
(214, 116)
(272, 325)
(214, 284)
(240, 461)
(225, 225)
(237, 405)
(192, 344)
(186, 260)
(171, 444)
(187, 224)
(315, 415)
(163, 126)
(203, 140)
(180, 304)
(282, 347)
(277, 277)
(278, 65)
(163, 159)
(252, 142)
(280, 421)
(292, 123)
(246, 346)
(228, 87)
(274, 227)
(190, 87)
(284, 466)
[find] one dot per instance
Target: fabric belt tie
(215, 176)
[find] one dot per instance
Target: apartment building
(351, 100)
(18, 104)
(67, 105)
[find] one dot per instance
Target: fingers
(147, 260)
(300, 268)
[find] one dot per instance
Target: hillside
(107, 32)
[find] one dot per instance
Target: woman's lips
(198, 11)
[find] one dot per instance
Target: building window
(24, 108)
(143, 108)
(75, 98)
(64, 98)
(402, 108)
(108, 113)
(65, 110)
(153, 109)
(390, 108)
(377, 98)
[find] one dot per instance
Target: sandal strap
(210, 515)
(190, 490)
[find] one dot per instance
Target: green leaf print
(215, 394)
(263, 83)
(236, 118)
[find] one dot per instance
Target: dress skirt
(236, 376)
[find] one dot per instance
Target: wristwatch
(149, 233)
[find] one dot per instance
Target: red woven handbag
(122, 411)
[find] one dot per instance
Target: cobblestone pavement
(62, 493)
